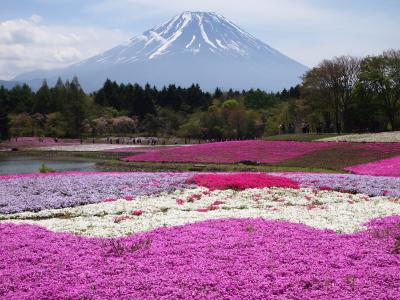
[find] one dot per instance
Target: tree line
(352, 94)
(343, 94)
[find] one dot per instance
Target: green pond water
(31, 164)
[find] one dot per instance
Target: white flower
(366, 137)
(321, 209)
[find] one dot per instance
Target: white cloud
(305, 30)
(28, 44)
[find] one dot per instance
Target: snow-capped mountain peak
(189, 32)
(192, 47)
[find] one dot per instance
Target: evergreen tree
(218, 93)
(4, 110)
(43, 100)
(21, 98)
(75, 108)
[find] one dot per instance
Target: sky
(45, 34)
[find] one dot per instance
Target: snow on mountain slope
(193, 47)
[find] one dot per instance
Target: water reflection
(31, 164)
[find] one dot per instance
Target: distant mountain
(8, 84)
(193, 47)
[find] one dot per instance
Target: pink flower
(213, 207)
(384, 167)
(218, 202)
(110, 200)
(325, 188)
(232, 152)
(136, 212)
(202, 210)
(241, 181)
(180, 201)
(193, 197)
(129, 198)
(257, 197)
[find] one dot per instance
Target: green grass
(338, 157)
(109, 161)
(299, 137)
(332, 159)
(68, 155)
(112, 165)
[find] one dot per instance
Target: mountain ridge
(192, 47)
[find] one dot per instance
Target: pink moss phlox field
(350, 183)
(385, 167)
(241, 181)
(34, 142)
(214, 259)
(231, 152)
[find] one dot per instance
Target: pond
(30, 164)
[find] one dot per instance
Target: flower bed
(321, 209)
(194, 235)
(385, 167)
(341, 155)
(231, 152)
(211, 259)
(241, 181)
(35, 192)
(392, 137)
(369, 185)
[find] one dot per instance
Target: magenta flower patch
(385, 167)
(218, 259)
(231, 152)
(241, 181)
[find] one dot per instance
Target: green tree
(4, 111)
(75, 110)
(43, 100)
(257, 99)
(150, 124)
(21, 98)
(380, 77)
(191, 129)
(330, 86)
(218, 93)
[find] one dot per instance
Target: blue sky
(54, 33)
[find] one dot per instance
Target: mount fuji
(193, 47)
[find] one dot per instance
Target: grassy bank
(298, 137)
(109, 161)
